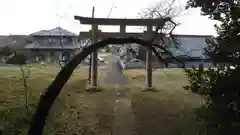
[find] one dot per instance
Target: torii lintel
(118, 21)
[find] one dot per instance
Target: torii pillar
(94, 57)
(148, 35)
(148, 60)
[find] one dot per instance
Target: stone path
(124, 123)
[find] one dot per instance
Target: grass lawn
(74, 112)
(169, 111)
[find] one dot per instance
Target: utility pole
(90, 58)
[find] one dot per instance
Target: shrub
(221, 114)
(17, 59)
(198, 80)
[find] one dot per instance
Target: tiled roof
(58, 31)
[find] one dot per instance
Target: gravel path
(124, 123)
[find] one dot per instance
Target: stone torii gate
(150, 23)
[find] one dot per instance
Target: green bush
(198, 80)
(221, 114)
(17, 59)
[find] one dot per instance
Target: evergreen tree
(222, 83)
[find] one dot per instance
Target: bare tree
(14, 45)
(168, 11)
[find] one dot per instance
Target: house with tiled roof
(190, 49)
(45, 45)
(53, 45)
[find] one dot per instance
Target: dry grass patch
(170, 110)
(74, 112)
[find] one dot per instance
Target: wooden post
(90, 58)
(149, 61)
(94, 68)
(94, 60)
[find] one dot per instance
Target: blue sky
(28, 16)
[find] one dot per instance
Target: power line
(111, 8)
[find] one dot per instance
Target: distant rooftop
(58, 31)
